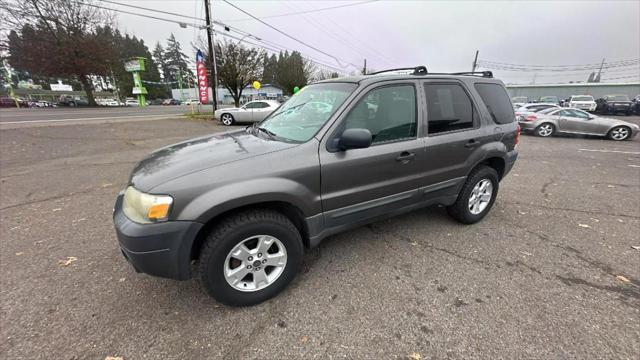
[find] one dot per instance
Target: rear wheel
(250, 257)
(545, 130)
(619, 133)
(476, 197)
(227, 119)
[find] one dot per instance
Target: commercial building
(563, 91)
(267, 91)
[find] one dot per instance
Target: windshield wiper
(271, 134)
(291, 108)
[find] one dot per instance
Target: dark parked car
(612, 104)
(73, 101)
(171, 102)
(245, 204)
(9, 102)
(157, 101)
(635, 108)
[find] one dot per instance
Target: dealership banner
(203, 82)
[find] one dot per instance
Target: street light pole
(212, 59)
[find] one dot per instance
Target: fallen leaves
(113, 358)
(70, 260)
(415, 356)
(584, 226)
(19, 253)
(304, 339)
(623, 279)
(635, 247)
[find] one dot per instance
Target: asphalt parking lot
(550, 273)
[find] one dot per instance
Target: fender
(234, 195)
(494, 149)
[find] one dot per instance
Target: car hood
(198, 154)
(583, 102)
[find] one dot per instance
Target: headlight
(146, 208)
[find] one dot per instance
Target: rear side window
(497, 101)
(448, 108)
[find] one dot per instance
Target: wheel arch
(292, 212)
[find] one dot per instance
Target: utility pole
(597, 79)
(212, 59)
(475, 62)
(364, 69)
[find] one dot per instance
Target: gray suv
(242, 206)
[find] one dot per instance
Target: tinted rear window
(497, 101)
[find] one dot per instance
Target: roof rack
(422, 70)
(487, 74)
(417, 70)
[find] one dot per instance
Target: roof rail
(417, 70)
(487, 74)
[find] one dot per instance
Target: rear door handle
(471, 143)
(405, 157)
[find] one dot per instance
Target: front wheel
(545, 130)
(250, 257)
(227, 119)
(619, 133)
(476, 197)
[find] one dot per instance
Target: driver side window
(389, 113)
(578, 114)
(252, 105)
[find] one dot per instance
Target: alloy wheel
(255, 263)
(227, 119)
(480, 196)
(620, 133)
(545, 130)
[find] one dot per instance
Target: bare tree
(57, 38)
(237, 67)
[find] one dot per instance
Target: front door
(578, 121)
(260, 111)
(359, 184)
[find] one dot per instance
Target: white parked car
(518, 101)
(110, 102)
(252, 111)
(528, 109)
(131, 102)
(582, 102)
(190, 102)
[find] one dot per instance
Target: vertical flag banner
(203, 82)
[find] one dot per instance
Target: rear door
(453, 132)
(359, 184)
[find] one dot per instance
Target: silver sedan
(573, 121)
(252, 111)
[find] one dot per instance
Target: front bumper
(160, 249)
(527, 125)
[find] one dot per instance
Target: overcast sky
(441, 35)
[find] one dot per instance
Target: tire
(227, 119)
(619, 133)
(216, 257)
(545, 130)
(461, 210)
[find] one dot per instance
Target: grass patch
(203, 115)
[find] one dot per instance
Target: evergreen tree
(270, 65)
(292, 70)
(158, 56)
(176, 63)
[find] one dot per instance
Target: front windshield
(582, 98)
(617, 98)
(306, 112)
(549, 99)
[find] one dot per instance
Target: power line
(306, 11)
(153, 10)
(291, 37)
(527, 69)
(557, 66)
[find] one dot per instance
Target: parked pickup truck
(242, 206)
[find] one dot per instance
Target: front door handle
(471, 144)
(405, 157)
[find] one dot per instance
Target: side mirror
(355, 139)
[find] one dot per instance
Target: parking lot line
(612, 151)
